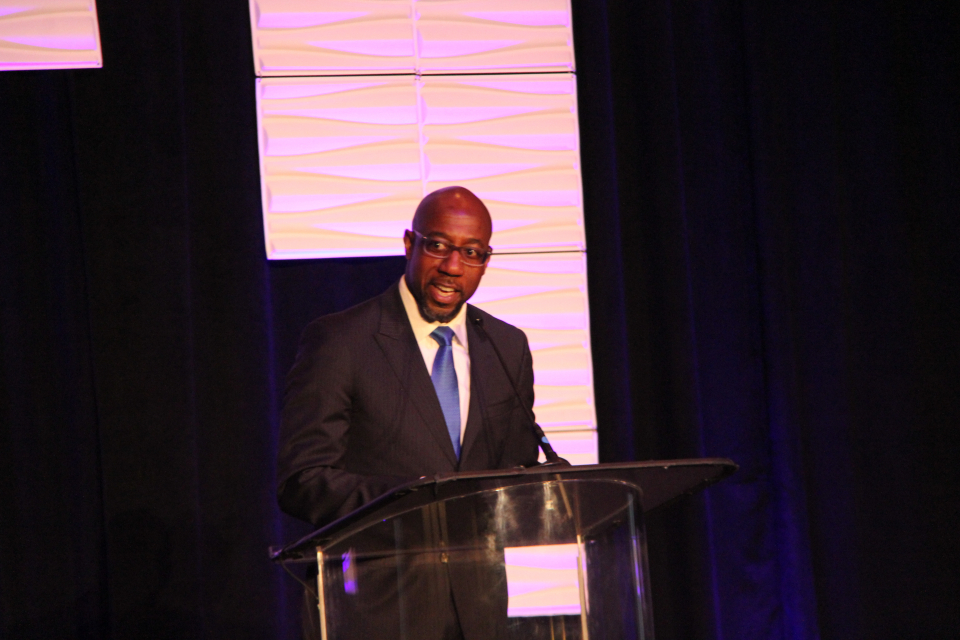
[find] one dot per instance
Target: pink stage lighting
(49, 34)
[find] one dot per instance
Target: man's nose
(452, 264)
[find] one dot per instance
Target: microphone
(551, 455)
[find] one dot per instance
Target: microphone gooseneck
(548, 452)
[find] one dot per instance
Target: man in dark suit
(405, 385)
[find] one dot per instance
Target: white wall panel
(493, 36)
(546, 296)
(513, 141)
(49, 34)
(543, 580)
(339, 37)
(339, 164)
(331, 37)
(344, 161)
(577, 447)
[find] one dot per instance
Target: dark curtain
(773, 233)
(771, 212)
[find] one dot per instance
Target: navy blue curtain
(773, 234)
(772, 221)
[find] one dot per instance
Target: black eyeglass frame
(423, 247)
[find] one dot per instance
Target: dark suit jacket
(361, 414)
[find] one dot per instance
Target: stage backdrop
(770, 199)
(49, 34)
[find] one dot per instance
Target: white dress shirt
(429, 347)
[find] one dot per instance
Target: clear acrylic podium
(545, 552)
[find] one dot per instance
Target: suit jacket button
(444, 558)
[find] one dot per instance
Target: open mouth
(444, 294)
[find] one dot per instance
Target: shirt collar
(421, 328)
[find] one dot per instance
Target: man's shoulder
(498, 329)
(490, 322)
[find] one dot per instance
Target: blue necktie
(444, 378)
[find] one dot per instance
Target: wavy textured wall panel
(543, 580)
(577, 447)
(493, 36)
(339, 164)
(513, 140)
(344, 161)
(546, 295)
(332, 37)
(338, 37)
(49, 34)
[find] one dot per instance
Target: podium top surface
(659, 482)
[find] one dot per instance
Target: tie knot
(443, 336)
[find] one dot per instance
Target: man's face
(442, 285)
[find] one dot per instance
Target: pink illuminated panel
(339, 37)
(49, 34)
(543, 580)
(513, 141)
(332, 37)
(546, 296)
(576, 447)
(344, 160)
(339, 165)
(493, 36)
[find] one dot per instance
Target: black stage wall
(771, 198)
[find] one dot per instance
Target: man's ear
(408, 239)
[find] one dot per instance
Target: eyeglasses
(471, 256)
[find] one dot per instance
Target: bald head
(439, 279)
(458, 201)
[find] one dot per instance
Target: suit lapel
(399, 345)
